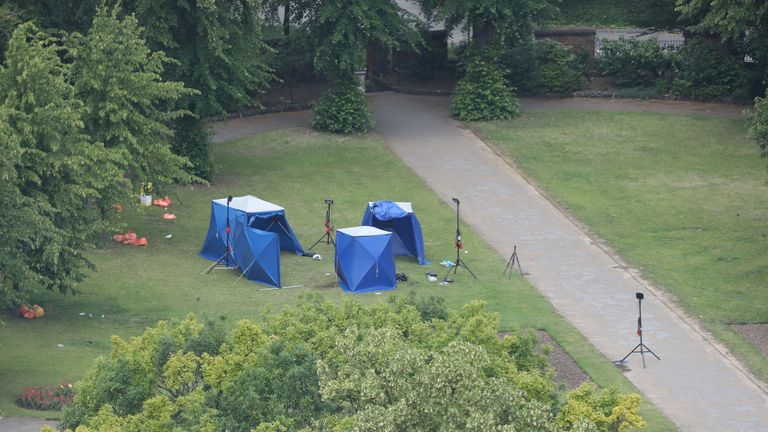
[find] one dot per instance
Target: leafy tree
(758, 129)
(58, 184)
(490, 21)
(120, 82)
(327, 367)
(339, 32)
(217, 47)
(738, 21)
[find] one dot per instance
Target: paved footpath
(694, 384)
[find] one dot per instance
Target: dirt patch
(567, 372)
(755, 333)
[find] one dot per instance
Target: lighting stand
(641, 348)
(226, 259)
(459, 246)
(328, 227)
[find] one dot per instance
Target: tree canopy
(74, 132)
(325, 367)
(58, 182)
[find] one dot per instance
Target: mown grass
(682, 198)
(136, 287)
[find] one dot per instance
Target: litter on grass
(447, 263)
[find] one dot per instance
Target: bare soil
(755, 333)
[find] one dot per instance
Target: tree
(737, 21)
(328, 367)
(128, 105)
(58, 184)
(339, 33)
(490, 21)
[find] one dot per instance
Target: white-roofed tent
(257, 213)
(364, 261)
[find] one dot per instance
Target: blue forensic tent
(258, 214)
(258, 253)
(399, 219)
(364, 261)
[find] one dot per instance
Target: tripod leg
(634, 350)
(317, 242)
(518, 264)
(509, 262)
(461, 263)
(217, 262)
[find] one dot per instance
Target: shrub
(632, 62)
(556, 70)
(41, 398)
(192, 140)
(342, 109)
(707, 71)
(758, 128)
(483, 94)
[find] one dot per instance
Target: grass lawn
(135, 287)
(682, 198)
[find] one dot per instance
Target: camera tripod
(459, 245)
(328, 227)
(640, 348)
(511, 263)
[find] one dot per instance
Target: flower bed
(40, 398)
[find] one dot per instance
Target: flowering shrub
(40, 398)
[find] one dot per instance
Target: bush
(192, 140)
(707, 71)
(323, 366)
(483, 94)
(556, 70)
(342, 109)
(632, 62)
(758, 128)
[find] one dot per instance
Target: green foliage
(758, 129)
(632, 62)
(483, 94)
(616, 13)
(217, 46)
(340, 32)
(735, 21)
(608, 410)
(492, 22)
(322, 366)
(192, 138)
(549, 68)
(707, 71)
(343, 109)
(57, 183)
(120, 82)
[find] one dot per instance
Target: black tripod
(225, 259)
(459, 246)
(641, 348)
(511, 263)
(328, 227)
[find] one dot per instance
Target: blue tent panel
(364, 261)
(399, 219)
(258, 253)
(258, 213)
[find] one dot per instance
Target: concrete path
(24, 424)
(694, 384)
